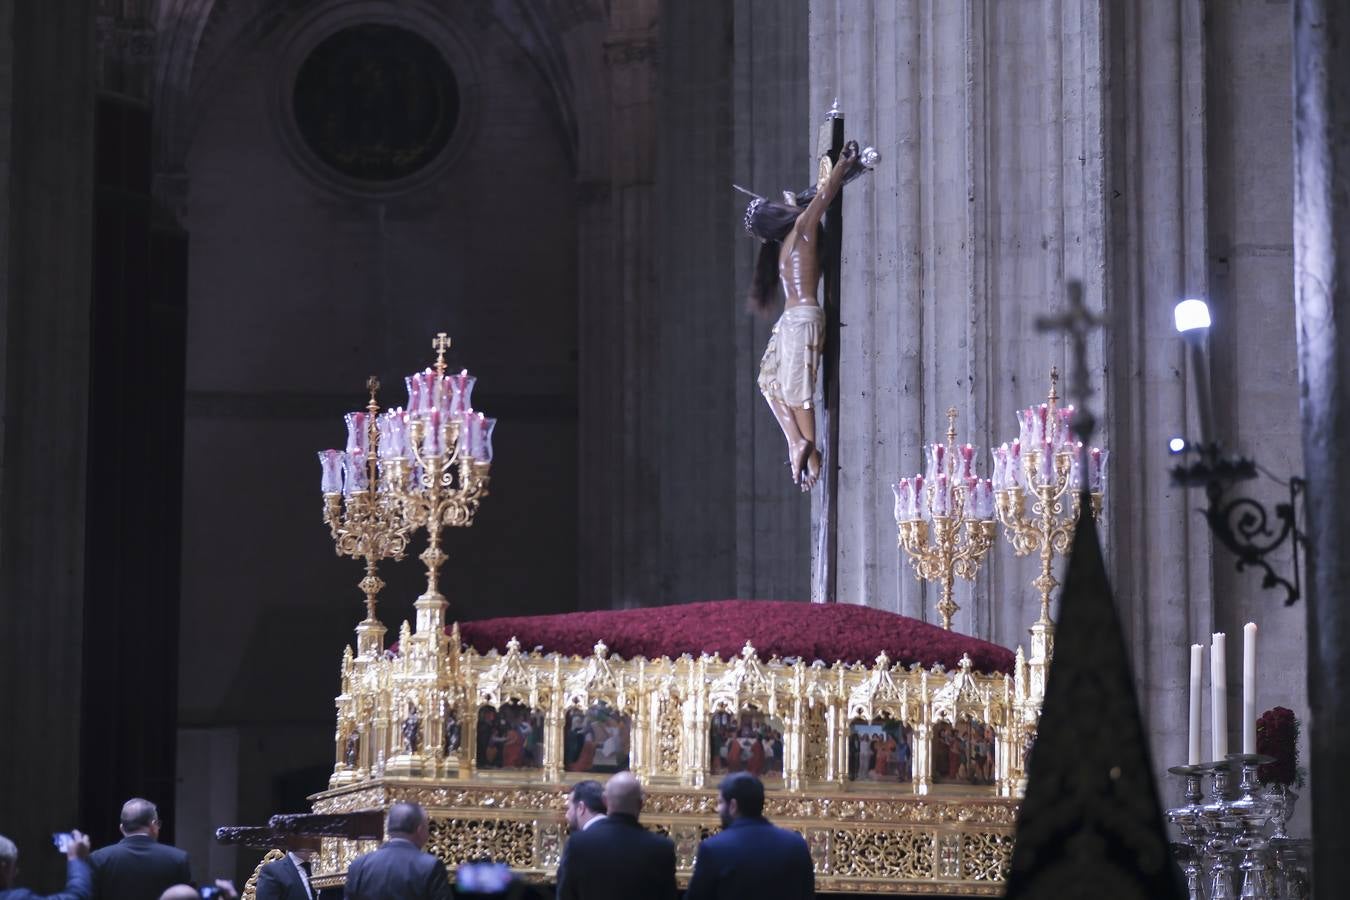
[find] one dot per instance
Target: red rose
(1277, 736)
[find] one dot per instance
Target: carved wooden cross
(824, 575)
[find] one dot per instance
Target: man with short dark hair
(288, 878)
(750, 858)
(612, 857)
(585, 805)
(79, 886)
(400, 868)
(138, 867)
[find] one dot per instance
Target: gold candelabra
(945, 521)
(423, 467)
(365, 522)
(1043, 466)
(443, 476)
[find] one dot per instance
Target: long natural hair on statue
(770, 222)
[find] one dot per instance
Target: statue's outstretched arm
(810, 217)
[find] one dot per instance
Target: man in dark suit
(613, 857)
(289, 878)
(750, 858)
(79, 886)
(138, 867)
(400, 868)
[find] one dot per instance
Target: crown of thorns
(750, 211)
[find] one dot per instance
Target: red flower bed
(828, 632)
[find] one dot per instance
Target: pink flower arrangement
(828, 632)
(1277, 735)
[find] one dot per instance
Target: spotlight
(1176, 445)
(1191, 315)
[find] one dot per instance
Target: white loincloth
(788, 370)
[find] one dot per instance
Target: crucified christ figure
(790, 232)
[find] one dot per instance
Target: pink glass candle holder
(331, 463)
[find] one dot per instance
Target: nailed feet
(804, 460)
(812, 472)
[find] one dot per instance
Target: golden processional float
(902, 779)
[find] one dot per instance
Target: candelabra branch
(445, 491)
(366, 523)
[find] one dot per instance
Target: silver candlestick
(1251, 813)
(1190, 820)
(1221, 828)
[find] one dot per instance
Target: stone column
(990, 120)
(773, 147)
(1022, 145)
(46, 192)
(1322, 298)
(618, 484)
(1158, 547)
(684, 491)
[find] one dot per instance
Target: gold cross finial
(951, 426)
(373, 386)
(440, 345)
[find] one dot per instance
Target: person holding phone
(79, 882)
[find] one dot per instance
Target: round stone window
(376, 103)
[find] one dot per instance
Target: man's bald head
(623, 794)
(139, 816)
(180, 892)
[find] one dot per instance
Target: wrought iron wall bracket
(1244, 525)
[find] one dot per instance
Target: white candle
(1249, 688)
(1218, 697)
(1197, 679)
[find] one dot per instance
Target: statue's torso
(799, 268)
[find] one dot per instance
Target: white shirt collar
(304, 879)
(592, 821)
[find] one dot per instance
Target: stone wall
(1137, 148)
(300, 286)
(684, 492)
(46, 169)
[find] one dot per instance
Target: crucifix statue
(794, 252)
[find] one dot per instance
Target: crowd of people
(609, 856)
(138, 867)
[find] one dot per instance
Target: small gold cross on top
(440, 344)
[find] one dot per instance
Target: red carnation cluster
(1277, 736)
(827, 632)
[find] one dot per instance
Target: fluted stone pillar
(990, 122)
(683, 488)
(1024, 145)
(1322, 295)
(46, 193)
(617, 339)
(773, 147)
